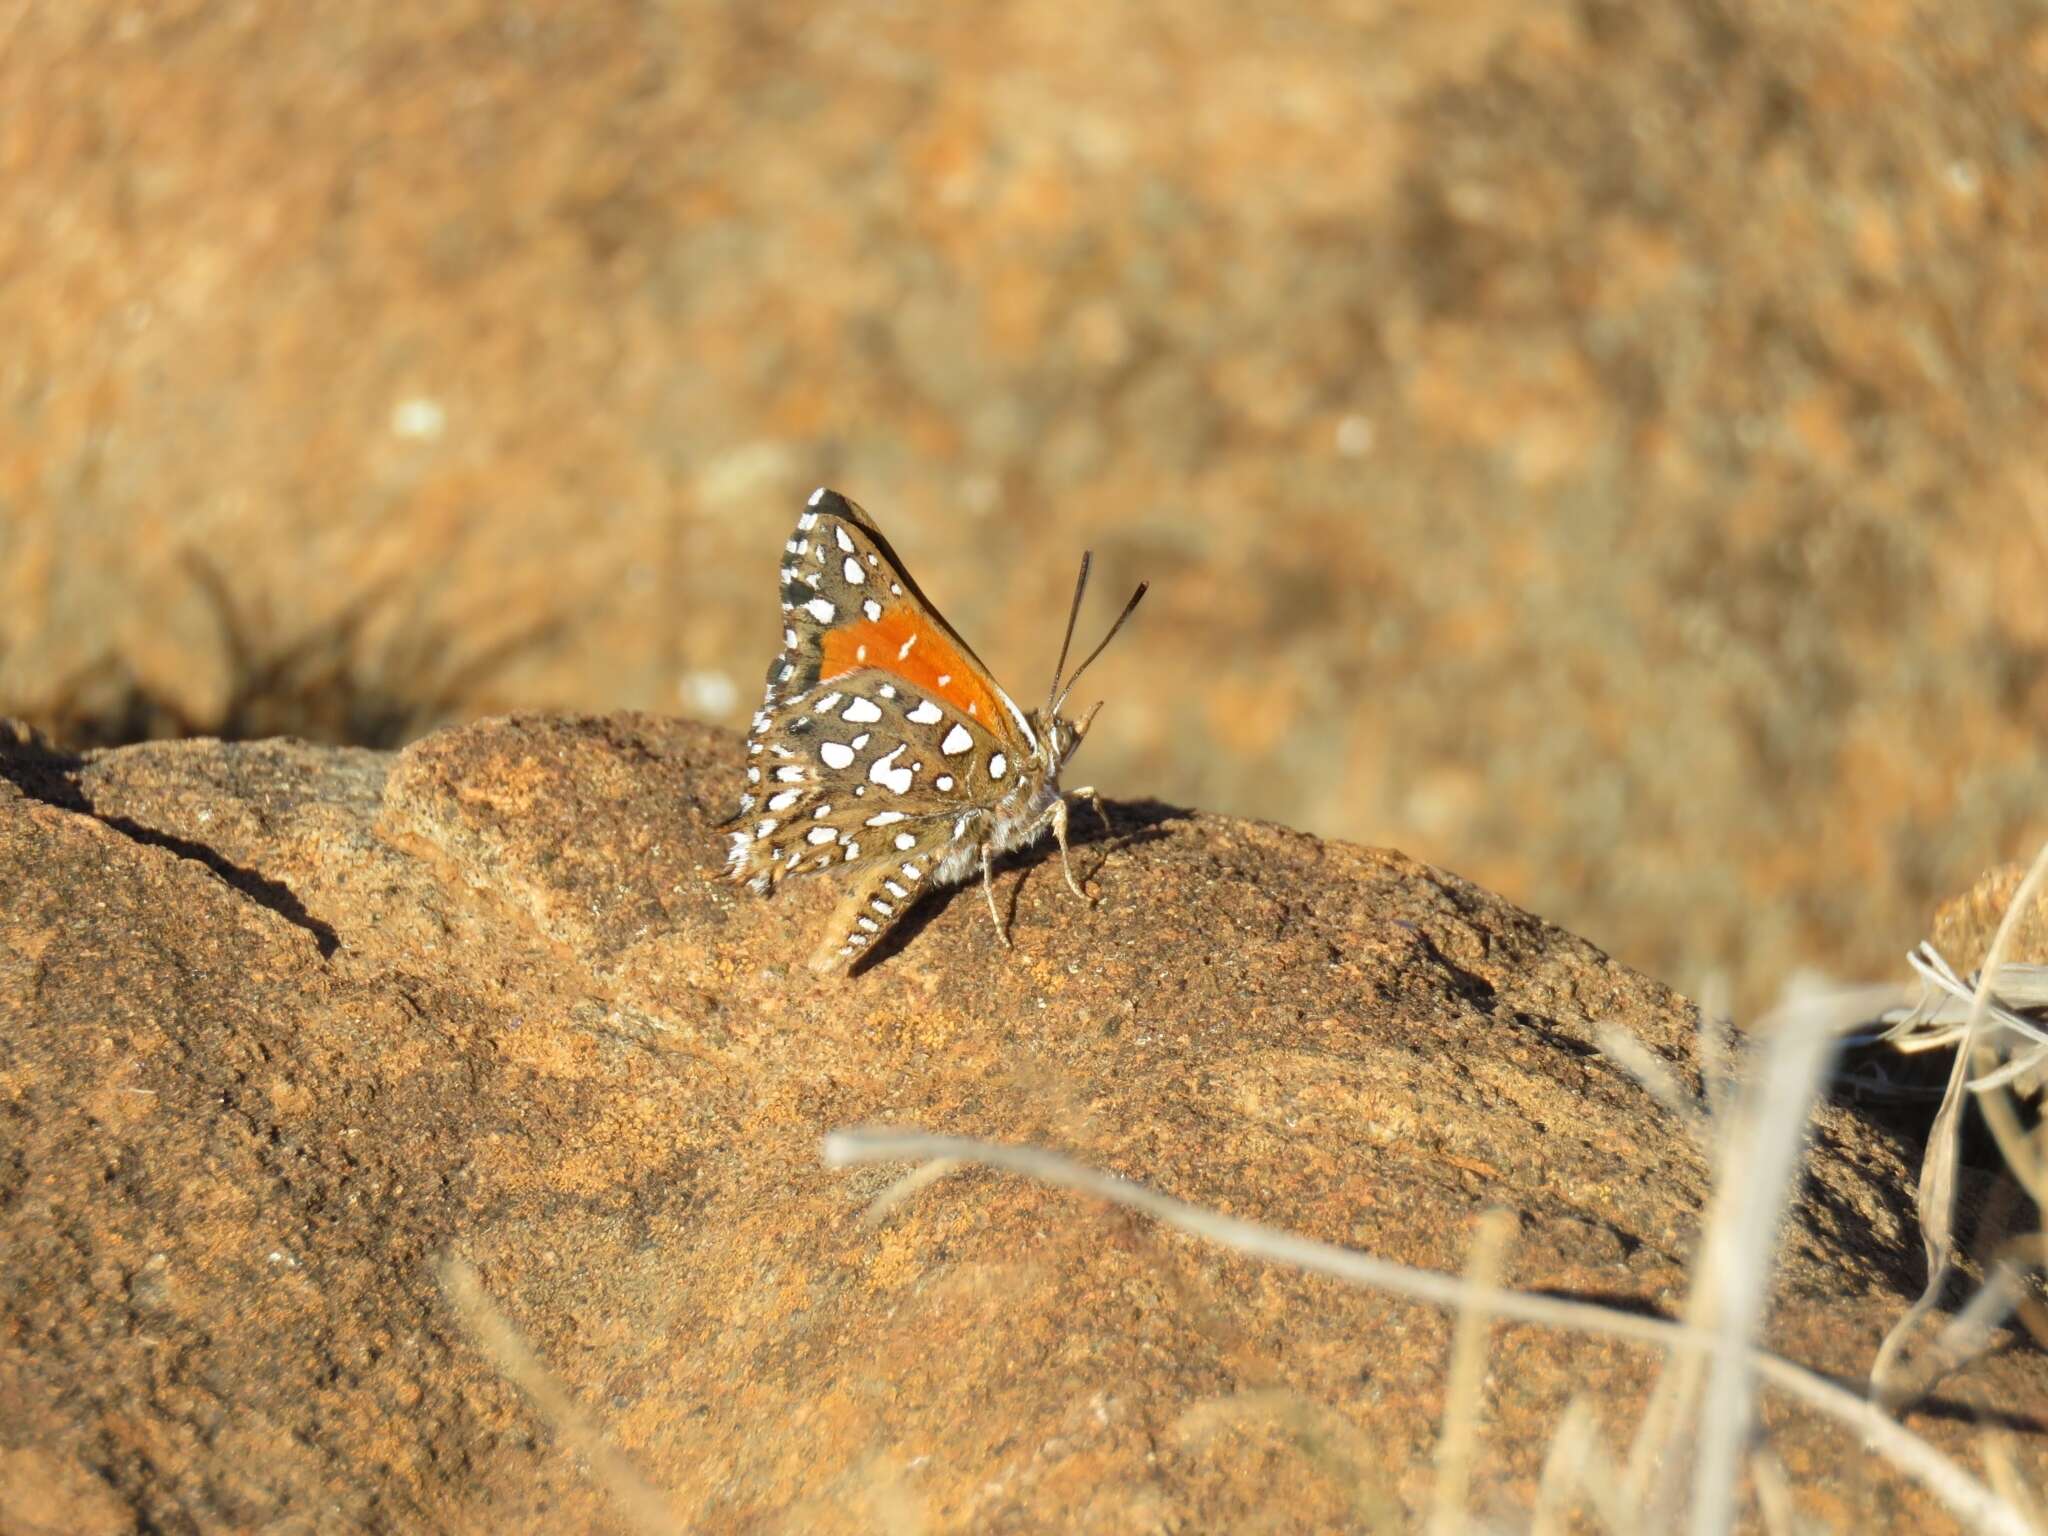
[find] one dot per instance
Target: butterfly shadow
(1131, 822)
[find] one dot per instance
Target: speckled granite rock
(282, 1025)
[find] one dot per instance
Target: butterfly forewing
(848, 604)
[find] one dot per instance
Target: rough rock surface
(281, 1026)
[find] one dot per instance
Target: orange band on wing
(921, 656)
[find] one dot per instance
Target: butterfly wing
(848, 604)
(882, 738)
(887, 885)
(853, 767)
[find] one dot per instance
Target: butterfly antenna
(1073, 613)
(1099, 649)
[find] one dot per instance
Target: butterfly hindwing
(864, 769)
(889, 883)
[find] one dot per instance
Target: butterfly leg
(1088, 793)
(988, 889)
(1058, 816)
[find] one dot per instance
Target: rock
(284, 1029)
(1664, 375)
(1965, 924)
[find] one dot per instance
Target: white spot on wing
(943, 782)
(837, 754)
(883, 818)
(926, 713)
(827, 704)
(871, 608)
(822, 610)
(821, 835)
(789, 775)
(852, 571)
(886, 773)
(894, 889)
(839, 533)
(870, 924)
(912, 873)
(906, 841)
(903, 650)
(785, 800)
(957, 741)
(816, 496)
(998, 766)
(861, 712)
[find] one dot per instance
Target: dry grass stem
(1577, 1464)
(1760, 1158)
(921, 1177)
(645, 1509)
(1463, 1405)
(1973, 1504)
(1657, 1080)
(1939, 1170)
(1773, 1494)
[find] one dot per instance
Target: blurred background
(1598, 447)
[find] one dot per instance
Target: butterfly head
(1058, 737)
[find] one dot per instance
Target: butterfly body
(883, 747)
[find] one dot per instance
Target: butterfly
(884, 749)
